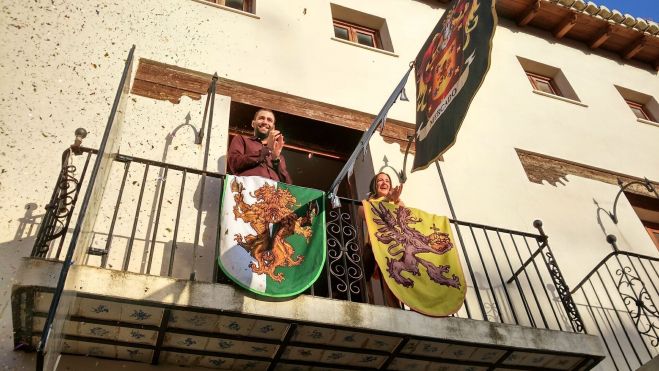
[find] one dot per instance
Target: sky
(647, 9)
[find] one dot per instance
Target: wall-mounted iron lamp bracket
(646, 183)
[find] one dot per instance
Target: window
(244, 5)
(639, 110)
(654, 234)
(360, 28)
(647, 209)
(644, 106)
(548, 80)
(357, 34)
(543, 83)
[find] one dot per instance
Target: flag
(450, 68)
(272, 235)
(417, 256)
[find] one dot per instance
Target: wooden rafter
(529, 14)
(635, 47)
(565, 26)
(602, 37)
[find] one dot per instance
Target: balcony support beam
(565, 26)
(635, 48)
(602, 37)
(529, 14)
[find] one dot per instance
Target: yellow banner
(417, 255)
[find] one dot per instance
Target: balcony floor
(152, 319)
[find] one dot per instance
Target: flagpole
(366, 137)
(457, 229)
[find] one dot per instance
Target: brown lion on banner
(272, 206)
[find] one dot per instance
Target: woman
(379, 189)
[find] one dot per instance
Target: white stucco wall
(61, 62)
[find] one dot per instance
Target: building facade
(567, 111)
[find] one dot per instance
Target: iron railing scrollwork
(563, 292)
(640, 306)
(344, 256)
(61, 206)
(559, 282)
(623, 292)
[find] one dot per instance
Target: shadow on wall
(197, 259)
(11, 253)
(21, 245)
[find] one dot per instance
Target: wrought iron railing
(162, 219)
(507, 280)
(620, 296)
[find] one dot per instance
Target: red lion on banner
(443, 61)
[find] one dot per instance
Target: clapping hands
(275, 142)
(394, 194)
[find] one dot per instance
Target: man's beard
(261, 136)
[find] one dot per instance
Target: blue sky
(648, 9)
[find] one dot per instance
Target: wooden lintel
(167, 82)
(529, 14)
(565, 26)
(602, 37)
(635, 48)
(541, 168)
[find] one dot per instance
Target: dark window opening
(315, 151)
(647, 209)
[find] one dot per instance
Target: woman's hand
(394, 194)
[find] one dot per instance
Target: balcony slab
(146, 318)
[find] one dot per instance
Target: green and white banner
(272, 236)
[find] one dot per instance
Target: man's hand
(270, 139)
(278, 145)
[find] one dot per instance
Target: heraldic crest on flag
(416, 253)
(272, 238)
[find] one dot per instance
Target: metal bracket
(646, 183)
(123, 158)
(334, 200)
(96, 251)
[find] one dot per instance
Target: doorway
(315, 151)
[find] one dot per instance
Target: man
(260, 154)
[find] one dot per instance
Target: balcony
(146, 288)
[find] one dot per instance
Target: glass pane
(365, 39)
(341, 33)
(639, 112)
(544, 86)
(236, 4)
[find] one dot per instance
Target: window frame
(534, 78)
(248, 5)
(634, 106)
(653, 230)
(353, 28)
